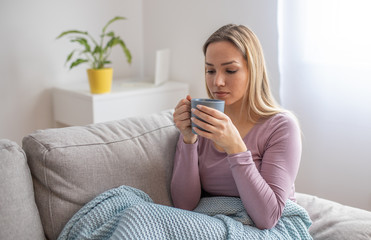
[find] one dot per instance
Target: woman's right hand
(182, 120)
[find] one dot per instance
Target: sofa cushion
(19, 217)
(332, 220)
(72, 165)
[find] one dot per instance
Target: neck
(236, 113)
(239, 118)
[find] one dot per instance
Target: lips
(220, 94)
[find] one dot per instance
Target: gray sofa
(57, 171)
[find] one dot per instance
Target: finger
(183, 124)
(202, 133)
(183, 102)
(182, 116)
(180, 103)
(204, 125)
(205, 117)
(210, 111)
(183, 109)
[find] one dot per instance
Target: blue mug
(212, 103)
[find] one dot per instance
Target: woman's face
(226, 72)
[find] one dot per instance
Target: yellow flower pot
(100, 80)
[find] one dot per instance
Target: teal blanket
(128, 213)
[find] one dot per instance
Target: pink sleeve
(264, 193)
(185, 182)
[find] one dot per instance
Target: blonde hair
(258, 100)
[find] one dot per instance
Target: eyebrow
(223, 64)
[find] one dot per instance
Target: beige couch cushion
(19, 217)
(332, 220)
(71, 166)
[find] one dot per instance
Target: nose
(219, 80)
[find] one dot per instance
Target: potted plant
(96, 53)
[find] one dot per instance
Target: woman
(252, 150)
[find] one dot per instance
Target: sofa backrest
(70, 166)
(19, 217)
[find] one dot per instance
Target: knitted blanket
(129, 213)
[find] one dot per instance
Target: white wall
(334, 111)
(326, 81)
(183, 26)
(32, 61)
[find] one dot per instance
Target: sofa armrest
(19, 217)
(332, 220)
(72, 165)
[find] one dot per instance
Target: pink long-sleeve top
(263, 176)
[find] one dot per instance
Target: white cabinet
(75, 105)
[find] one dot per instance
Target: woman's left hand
(220, 129)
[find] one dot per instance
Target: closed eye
(210, 71)
(231, 71)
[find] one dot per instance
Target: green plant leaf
(83, 42)
(110, 34)
(78, 62)
(71, 32)
(112, 42)
(97, 49)
(70, 56)
(126, 50)
(111, 21)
